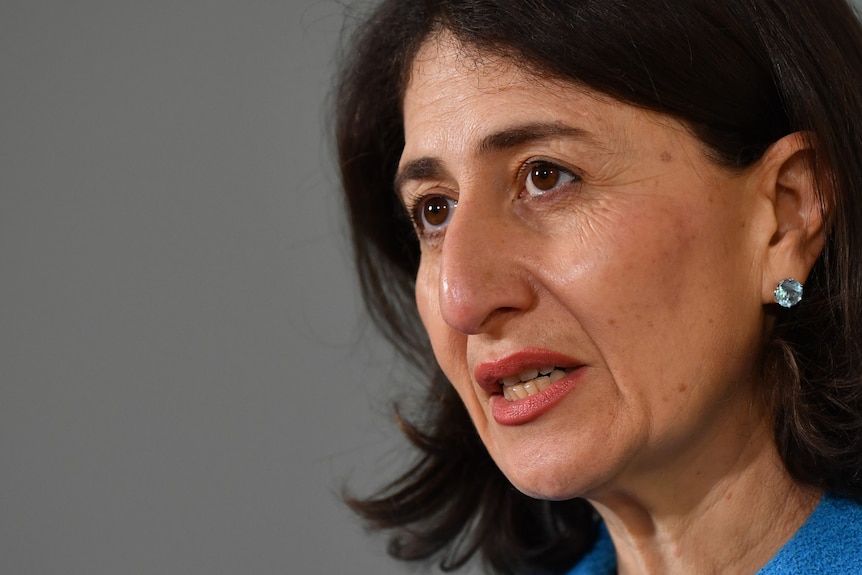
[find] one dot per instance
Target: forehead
(457, 96)
(449, 74)
(442, 55)
(451, 78)
(459, 92)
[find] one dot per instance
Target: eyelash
(417, 205)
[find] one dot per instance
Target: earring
(788, 293)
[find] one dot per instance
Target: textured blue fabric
(601, 560)
(829, 542)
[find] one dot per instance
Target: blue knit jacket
(829, 542)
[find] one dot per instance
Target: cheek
(686, 319)
(626, 256)
(426, 296)
(667, 255)
(449, 345)
(653, 285)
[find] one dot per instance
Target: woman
(589, 222)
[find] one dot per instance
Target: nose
(483, 273)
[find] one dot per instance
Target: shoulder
(830, 541)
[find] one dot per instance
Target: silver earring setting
(788, 293)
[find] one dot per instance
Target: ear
(797, 208)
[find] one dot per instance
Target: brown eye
(435, 212)
(545, 177)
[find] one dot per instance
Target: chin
(548, 481)
(555, 465)
(543, 489)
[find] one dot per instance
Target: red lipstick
(521, 411)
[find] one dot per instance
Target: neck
(717, 511)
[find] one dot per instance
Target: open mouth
(532, 381)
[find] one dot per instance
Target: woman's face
(571, 235)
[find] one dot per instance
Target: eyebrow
(427, 168)
(528, 133)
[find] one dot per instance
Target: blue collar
(830, 541)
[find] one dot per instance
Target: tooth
(557, 375)
(528, 374)
(519, 391)
(511, 380)
(507, 393)
(541, 383)
(546, 370)
(530, 387)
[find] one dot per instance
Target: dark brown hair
(740, 74)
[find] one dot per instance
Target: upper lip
(489, 373)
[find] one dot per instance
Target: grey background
(186, 379)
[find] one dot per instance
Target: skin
(649, 264)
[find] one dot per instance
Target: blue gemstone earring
(788, 293)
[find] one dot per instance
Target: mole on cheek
(666, 157)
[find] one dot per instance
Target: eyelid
(414, 191)
(409, 196)
(562, 166)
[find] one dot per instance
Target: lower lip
(525, 410)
